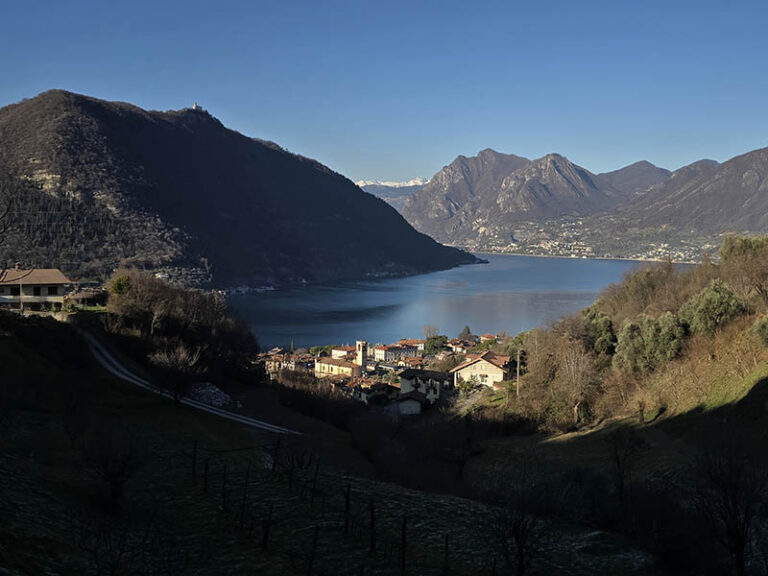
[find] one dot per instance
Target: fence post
(347, 497)
(445, 555)
(373, 526)
(194, 458)
(205, 476)
(266, 526)
(314, 483)
(314, 550)
(224, 489)
(403, 543)
(275, 454)
(245, 494)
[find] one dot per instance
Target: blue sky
(393, 90)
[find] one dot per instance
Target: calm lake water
(511, 293)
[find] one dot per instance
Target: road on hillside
(113, 366)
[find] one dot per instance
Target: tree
(646, 343)
(430, 331)
(711, 308)
(435, 344)
(465, 333)
(112, 457)
(745, 264)
(181, 365)
(730, 493)
(625, 447)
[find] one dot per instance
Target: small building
(413, 343)
(486, 368)
(33, 288)
(487, 338)
(460, 346)
(342, 351)
(325, 367)
(429, 382)
(411, 404)
(393, 353)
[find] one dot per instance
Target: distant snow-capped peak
(414, 182)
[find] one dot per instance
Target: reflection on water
(511, 293)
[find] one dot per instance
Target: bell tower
(361, 352)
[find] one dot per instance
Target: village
(408, 376)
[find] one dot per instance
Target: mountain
(478, 199)
(708, 197)
(98, 183)
(633, 179)
(393, 193)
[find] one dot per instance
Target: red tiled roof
(336, 362)
(488, 356)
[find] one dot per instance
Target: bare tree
(181, 365)
(519, 530)
(730, 494)
(431, 331)
(112, 547)
(112, 457)
(625, 447)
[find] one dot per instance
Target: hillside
(476, 199)
(633, 179)
(710, 197)
(202, 496)
(98, 183)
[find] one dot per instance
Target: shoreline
(563, 257)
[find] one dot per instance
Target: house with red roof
(486, 368)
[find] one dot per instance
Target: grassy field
(56, 403)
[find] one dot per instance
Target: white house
(487, 368)
(393, 353)
(428, 382)
(32, 288)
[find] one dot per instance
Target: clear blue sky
(393, 90)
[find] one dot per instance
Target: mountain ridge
(179, 191)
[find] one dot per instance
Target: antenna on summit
(195, 106)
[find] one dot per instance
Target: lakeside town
(407, 376)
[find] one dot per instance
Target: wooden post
(517, 379)
(445, 555)
(245, 494)
(314, 551)
(403, 543)
(275, 454)
(224, 489)
(314, 482)
(205, 476)
(372, 507)
(194, 458)
(346, 508)
(267, 525)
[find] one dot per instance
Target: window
(53, 290)
(2, 289)
(36, 290)
(15, 290)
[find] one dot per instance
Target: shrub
(760, 329)
(711, 308)
(647, 343)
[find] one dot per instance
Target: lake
(511, 293)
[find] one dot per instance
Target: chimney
(17, 266)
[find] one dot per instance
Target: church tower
(361, 352)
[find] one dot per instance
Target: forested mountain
(95, 184)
